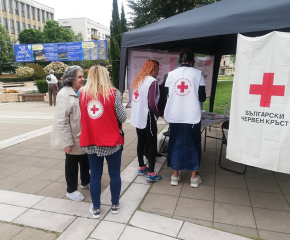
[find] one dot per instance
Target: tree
(78, 37)
(53, 33)
(123, 20)
(30, 35)
(6, 52)
(115, 43)
(145, 12)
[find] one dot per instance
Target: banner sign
(168, 62)
(67, 51)
(259, 132)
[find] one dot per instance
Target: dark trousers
(148, 136)
(114, 166)
(72, 163)
(52, 91)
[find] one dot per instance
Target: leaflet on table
(69, 51)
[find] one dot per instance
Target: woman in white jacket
(66, 132)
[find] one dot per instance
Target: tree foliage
(6, 51)
(145, 12)
(38, 71)
(30, 36)
(123, 20)
(78, 37)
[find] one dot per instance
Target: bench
(31, 97)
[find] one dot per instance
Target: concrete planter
(31, 97)
(46, 98)
(29, 84)
(9, 97)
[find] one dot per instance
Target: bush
(38, 71)
(42, 86)
(24, 72)
(58, 68)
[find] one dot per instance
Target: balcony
(95, 37)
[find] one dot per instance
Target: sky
(97, 10)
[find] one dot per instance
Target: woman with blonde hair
(144, 115)
(102, 114)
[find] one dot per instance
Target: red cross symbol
(267, 90)
(182, 87)
(94, 109)
(136, 94)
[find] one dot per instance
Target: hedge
(8, 80)
(42, 86)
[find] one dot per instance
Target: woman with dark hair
(66, 132)
(186, 90)
(144, 115)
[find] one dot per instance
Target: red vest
(99, 123)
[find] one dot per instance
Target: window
(12, 26)
(39, 28)
(3, 5)
(5, 25)
(17, 27)
(103, 36)
(10, 6)
(33, 12)
(23, 25)
(99, 34)
(224, 63)
(28, 26)
(38, 14)
(88, 31)
(43, 16)
(28, 11)
(16, 7)
(22, 9)
(34, 26)
(47, 15)
(51, 16)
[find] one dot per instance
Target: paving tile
(206, 178)
(205, 233)
(80, 229)
(2, 176)
(106, 194)
(288, 199)
(55, 189)
(45, 220)
(8, 231)
(278, 176)
(203, 192)
(29, 172)
(269, 201)
(164, 187)
(105, 181)
(232, 196)
(34, 234)
(43, 153)
(194, 208)
(265, 219)
(285, 186)
(27, 161)
(46, 163)
(234, 166)
(9, 169)
(129, 153)
(8, 213)
(253, 172)
(129, 202)
(155, 223)
(10, 159)
(126, 160)
(62, 179)
(230, 182)
(249, 232)
(59, 166)
(263, 185)
(161, 204)
(195, 221)
(207, 168)
(266, 235)
(2, 155)
(167, 173)
(129, 174)
(57, 155)
(25, 152)
(10, 150)
(234, 215)
(32, 186)
(208, 159)
(9, 183)
(108, 231)
(131, 233)
(19, 199)
(86, 193)
(50, 175)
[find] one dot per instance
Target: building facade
(16, 15)
(88, 28)
(227, 67)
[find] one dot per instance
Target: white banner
(259, 133)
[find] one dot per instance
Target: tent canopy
(211, 29)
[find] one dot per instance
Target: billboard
(67, 51)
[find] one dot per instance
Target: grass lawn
(223, 95)
(225, 78)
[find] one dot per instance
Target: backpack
(48, 77)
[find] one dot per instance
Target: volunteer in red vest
(102, 113)
(144, 115)
(183, 112)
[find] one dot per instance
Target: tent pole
(216, 67)
(123, 64)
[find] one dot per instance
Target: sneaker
(194, 182)
(175, 180)
(75, 196)
(155, 178)
(115, 209)
(86, 186)
(95, 212)
(142, 172)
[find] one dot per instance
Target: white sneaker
(75, 196)
(175, 180)
(115, 209)
(85, 186)
(194, 182)
(95, 212)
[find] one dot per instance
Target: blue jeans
(114, 166)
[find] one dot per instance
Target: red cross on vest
(267, 90)
(94, 109)
(182, 87)
(136, 94)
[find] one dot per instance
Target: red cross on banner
(182, 87)
(267, 90)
